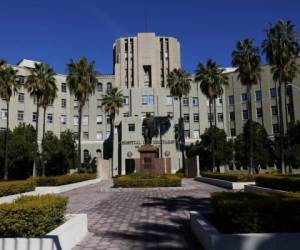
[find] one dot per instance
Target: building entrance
(129, 166)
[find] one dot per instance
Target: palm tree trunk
(36, 151)
(287, 124)
(6, 142)
(112, 121)
(181, 128)
(250, 131)
(44, 129)
(79, 137)
(281, 130)
(214, 143)
(212, 137)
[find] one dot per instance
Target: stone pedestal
(104, 169)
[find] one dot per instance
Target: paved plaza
(139, 218)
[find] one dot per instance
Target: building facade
(141, 65)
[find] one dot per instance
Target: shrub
(256, 213)
(16, 187)
(234, 177)
(32, 216)
(63, 179)
(282, 182)
(147, 180)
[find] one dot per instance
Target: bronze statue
(149, 128)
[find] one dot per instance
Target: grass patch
(147, 180)
(256, 213)
(32, 216)
(233, 177)
(16, 187)
(62, 179)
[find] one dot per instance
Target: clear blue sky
(55, 31)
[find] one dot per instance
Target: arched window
(99, 153)
(99, 87)
(109, 86)
(86, 156)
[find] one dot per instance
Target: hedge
(62, 179)
(234, 177)
(16, 187)
(256, 213)
(32, 216)
(282, 182)
(147, 180)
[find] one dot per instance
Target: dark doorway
(129, 166)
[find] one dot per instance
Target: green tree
(212, 79)
(68, 145)
(179, 83)
(8, 87)
(40, 76)
(281, 48)
(264, 154)
(82, 83)
(247, 60)
(293, 145)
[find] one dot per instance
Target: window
(107, 134)
(99, 103)
(233, 132)
(50, 103)
(273, 92)
(107, 118)
(259, 113)
(290, 109)
(196, 134)
(187, 134)
(99, 119)
(170, 114)
(131, 127)
(232, 116)
(3, 114)
(126, 100)
(219, 101)
(125, 114)
(231, 99)
(274, 110)
(195, 101)
(63, 119)
(108, 86)
(245, 114)
(75, 136)
(63, 87)
(63, 103)
(186, 117)
(289, 90)
(169, 100)
(20, 115)
(21, 79)
(86, 135)
(85, 120)
(275, 128)
(86, 156)
(147, 99)
(99, 135)
(196, 117)
(185, 101)
(21, 97)
(34, 117)
(210, 117)
(75, 120)
(75, 104)
(220, 117)
(258, 95)
(50, 118)
(99, 87)
(244, 97)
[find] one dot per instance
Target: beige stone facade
(141, 66)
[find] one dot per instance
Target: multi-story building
(141, 65)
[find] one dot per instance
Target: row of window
(275, 128)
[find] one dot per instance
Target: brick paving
(139, 218)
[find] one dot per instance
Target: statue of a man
(148, 128)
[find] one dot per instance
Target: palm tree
(8, 87)
(112, 101)
(40, 76)
(179, 82)
(49, 94)
(247, 60)
(82, 83)
(212, 79)
(281, 48)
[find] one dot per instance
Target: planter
(212, 239)
(50, 190)
(65, 237)
(257, 189)
(223, 183)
